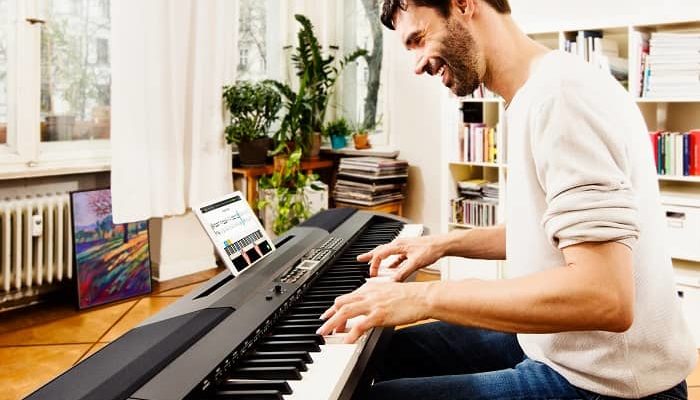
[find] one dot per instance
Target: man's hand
(382, 304)
(412, 254)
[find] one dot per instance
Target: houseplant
(338, 131)
(283, 192)
(317, 75)
(253, 107)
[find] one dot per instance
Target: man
(592, 299)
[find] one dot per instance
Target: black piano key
(350, 288)
(239, 384)
(325, 304)
(287, 373)
(303, 316)
(297, 363)
(320, 297)
(290, 345)
(302, 309)
(325, 282)
(310, 321)
(303, 355)
(296, 329)
(296, 336)
(247, 395)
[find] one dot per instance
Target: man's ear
(464, 7)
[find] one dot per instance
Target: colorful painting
(112, 262)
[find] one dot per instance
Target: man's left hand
(382, 304)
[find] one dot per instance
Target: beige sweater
(581, 170)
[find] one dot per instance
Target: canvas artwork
(112, 261)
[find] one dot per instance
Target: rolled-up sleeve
(581, 165)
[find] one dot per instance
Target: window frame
(24, 154)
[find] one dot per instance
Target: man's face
(443, 47)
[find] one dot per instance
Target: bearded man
(590, 311)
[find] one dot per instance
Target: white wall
(414, 122)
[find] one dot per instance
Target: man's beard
(459, 52)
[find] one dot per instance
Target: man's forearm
(481, 243)
(590, 294)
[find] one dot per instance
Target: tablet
(239, 238)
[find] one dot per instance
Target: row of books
(474, 212)
(669, 64)
(479, 143)
(477, 204)
(370, 181)
(676, 153)
(601, 52)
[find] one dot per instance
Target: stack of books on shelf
(676, 153)
(672, 67)
(477, 203)
(478, 143)
(370, 181)
(601, 52)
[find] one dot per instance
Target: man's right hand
(412, 254)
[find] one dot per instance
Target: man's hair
(390, 8)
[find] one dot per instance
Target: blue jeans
(443, 361)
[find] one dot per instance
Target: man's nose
(421, 62)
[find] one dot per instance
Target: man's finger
(357, 330)
(381, 253)
(404, 270)
(341, 316)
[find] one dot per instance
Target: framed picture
(112, 262)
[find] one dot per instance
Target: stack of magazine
(370, 181)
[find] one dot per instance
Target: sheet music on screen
(237, 231)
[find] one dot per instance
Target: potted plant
(338, 131)
(317, 75)
(361, 136)
(253, 107)
(283, 194)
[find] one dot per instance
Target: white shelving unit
(672, 114)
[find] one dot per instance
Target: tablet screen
(236, 231)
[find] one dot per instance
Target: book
(694, 152)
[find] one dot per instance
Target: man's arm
(482, 243)
(594, 291)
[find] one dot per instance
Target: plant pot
(314, 150)
(361, 141)
(254, 152)
(338, 142)
(279, 161)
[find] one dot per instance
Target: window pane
(75, 70)
(4, 31)
(252, 32)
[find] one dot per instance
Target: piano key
(247, 395)
(297, 328)
(301, 316)
(317, 303)
(297, 363)
(244, 384)
(309, 321)
(307, 309)
(262, 373)
(296, 336)
(290, 345)
(326, 377)
(303, 355)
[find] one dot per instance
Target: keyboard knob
(278, 289)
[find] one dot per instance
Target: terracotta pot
(254, 152)
(361, 141)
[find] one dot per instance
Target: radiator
(35, 243)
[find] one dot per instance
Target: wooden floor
(38, 344)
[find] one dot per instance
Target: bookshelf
(675, 113)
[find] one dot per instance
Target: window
(72, 105)
(252, 39)
(363, 91)
(4, 31)
(55, 83)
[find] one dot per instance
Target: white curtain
(170, 60)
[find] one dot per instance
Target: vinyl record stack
(370, 181)
(477, 204)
